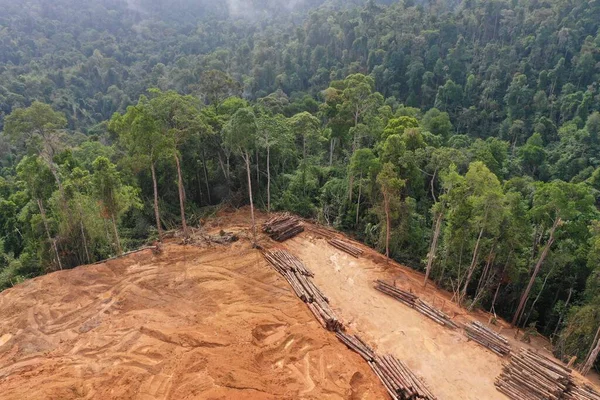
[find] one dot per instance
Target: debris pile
(346, 247)
(530, 375)
(486, 337)
(283, 227)
(413, 301)
(298, 276)
(399, 381)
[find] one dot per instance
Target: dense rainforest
(461, 138)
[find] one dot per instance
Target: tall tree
(38, 127)
(272, 131)
(390, 186)
(178, 118)
(140, 134)
(555, 205)
(240, 136)
(115, 197)
(35, 174)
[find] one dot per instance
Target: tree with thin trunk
(178, 119)
(273, 131)
(390, 186)
(240, 135)
(449, 179)
(487, 204)
(141, 135)
(555, 204)
(39, 127)
(363, 164)
(36, 175)
(114, 197)
(358, 100)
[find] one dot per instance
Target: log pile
(531, 376)
(399, 381)
(582, 393)
(401, 295)
(486, 337)
(299, 277)
(413, 301)
(437, 315)
(283, 260)
(346, 247)
(355, 343)
(283, 227)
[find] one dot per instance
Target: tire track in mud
(187, 324)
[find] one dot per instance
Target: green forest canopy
(462, 138)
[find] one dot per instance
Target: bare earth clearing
(217, 322)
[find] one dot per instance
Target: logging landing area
(212, 320)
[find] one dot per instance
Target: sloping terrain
(190, 323)
(217, 322)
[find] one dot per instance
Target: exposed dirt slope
(190, 323)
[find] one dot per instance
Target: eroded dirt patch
(190, 323)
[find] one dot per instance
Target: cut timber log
(355, 343)
(532, 376)
(153, 248)
(346, 247)
(413, 301)
(299, 278)
(283, 227)
(487, 338)
(399, 380)
(582, 393)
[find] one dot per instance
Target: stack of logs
(486, 337)
(531, 376)
(399, 381)
(355, 343)
(413, 301)
(346, 247)
(298, 276)
(283, 227)
(581, 393)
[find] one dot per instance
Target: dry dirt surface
(189, 323)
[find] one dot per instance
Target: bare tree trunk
(331, 148)
(536, 299)
(116, 233)
(596, 336)
(181, 190)
(471, 267)
(257, 169)
(536, 271)
(433, 247)
(589, 363)
(156, 212)
(50, 238)
(562, 314)
(268, 179)
(85, 247)
(206, 176)
(359, 195)
(247, 160)
(386, 204)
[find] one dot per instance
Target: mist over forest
(461, 138)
